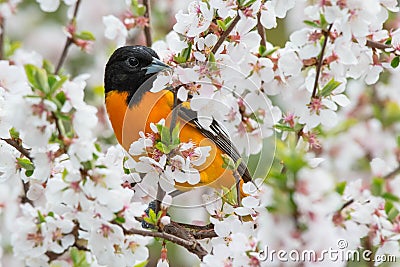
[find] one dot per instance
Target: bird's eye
(133, 62)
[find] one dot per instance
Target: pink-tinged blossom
(225, 8)
(171, 47)
(196, 21)
(243, 39)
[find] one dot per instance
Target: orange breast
(128, 122)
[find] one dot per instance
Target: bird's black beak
(156, 66)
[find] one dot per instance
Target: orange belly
(128, 122)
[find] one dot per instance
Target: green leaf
(97, 146)
(64, 174)
(62, 116)
(238, 162)
(26, 164)
(228, 162)
(28, 173)
(229, 195)
(14, 133)
(323, 22)
(283, 127)
(175, 135)
(340, 187)
(120, 220)
(78, 258)
(142, 264)
(138, 10)
(85, 35)
(329, 87)
(395, 62)
(391, 197)
(165, 136)
(211, 58)
(248, 3)
(41, 218)
(391, 210)
(10, 47)
(227, 21)
(163, 148)
(288, 154)
(377, 186)
(221, 24)
(311, 23)
(48, 66)
(270, 52)
(56, 83)
(37, 78)
(262, 50)
(187, 52)
(61, 97)
(152, 217)
(87, 165)
(159, 214)
(159, 127)
(148, 220)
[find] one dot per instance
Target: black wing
(219, 137)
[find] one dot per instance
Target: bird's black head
(129, 67)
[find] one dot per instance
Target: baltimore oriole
(132, 107)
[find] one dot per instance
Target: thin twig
(69, 40)
(192, 227)
(18, 146)
(321, 60)
(147, 28)
(261, 30)
(392, 173)
(197, 231)
(2, 38)
(225, 34)
(24, 198)
(58, 126)
(191, 246)
(377, 45)
(175, 111)
(160, 196)
(15, 144)
(346, 204)
(194, 231)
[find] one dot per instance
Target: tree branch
(69, 40)
(392, 173)
(15, 144)
(197, 231)
(160, 196)
(18, 146)
(192, 246)
(225, 34)
(377, 45)
(261, 30)
(321, 60)
(147, 29)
